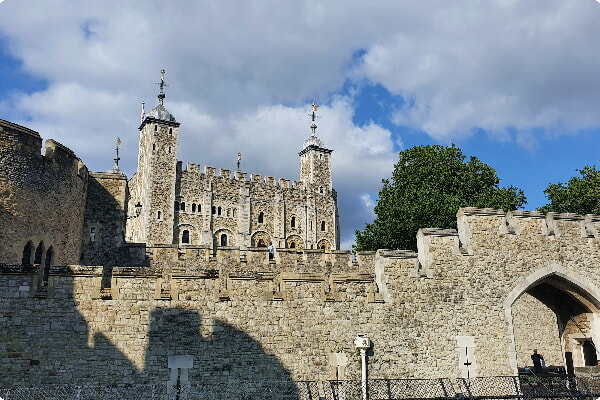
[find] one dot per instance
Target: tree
(428, 186)
(580, 195)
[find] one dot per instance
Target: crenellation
(241, 176)
(19, 138)
(591, 226)
(224, 173)
(565, 224)
(59, 153)
(255, 178)
(269, 180)
(193, 169)
(209, 172)
(284, 183)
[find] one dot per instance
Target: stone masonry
(105, 280)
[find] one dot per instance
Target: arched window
(182, 206)
(293, 222)
(223, 239)
(214, 210)
(169, 149)
(158, 215)
(219, 211)
(261, 217)
(47, 262)
(322, 226)
(185, 236)
(49, 257)
(38, 253)
(176, 206)
(155, 128)
(199, 208)
(234, 211)
(321, 189)
(27, 251)
(170, 131)
(153, 146)
(293, 245)
(193, 207)
(92, 234)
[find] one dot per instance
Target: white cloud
(241, 75)
(490, 66)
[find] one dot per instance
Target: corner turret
(315, 160)
(153, 186)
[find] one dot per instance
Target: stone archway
(295, 242)
(260, 239)
(572, 304)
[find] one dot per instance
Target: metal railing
(390, 389)
(483, 388)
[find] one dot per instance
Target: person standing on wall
(271, 251)
(538, 361)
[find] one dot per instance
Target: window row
(197, 208)
(41, 256)
(185, 238)
(180, 206)
(170, 130)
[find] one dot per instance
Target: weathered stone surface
(471, 302)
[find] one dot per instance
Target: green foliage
(428, 186)
(580, 195)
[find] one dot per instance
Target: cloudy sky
(515, 83)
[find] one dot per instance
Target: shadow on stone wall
(227, 355)
(45, 341)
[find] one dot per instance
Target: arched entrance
(554, 310)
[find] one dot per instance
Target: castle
(164, 278)
(161, 205)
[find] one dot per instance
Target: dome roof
(313, 141)
(160, 112)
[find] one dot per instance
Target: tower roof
(313, 141)
(160, 112)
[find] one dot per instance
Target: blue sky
(512, 83)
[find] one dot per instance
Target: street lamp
(363, 343)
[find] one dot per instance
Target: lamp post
(363, 343)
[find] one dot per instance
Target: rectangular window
(92, 234)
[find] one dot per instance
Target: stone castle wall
(252, 213)
(105, 216)
(459, 306)
(38, 193)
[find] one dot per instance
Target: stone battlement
(16, 138)
(19, 138)
(193, 172)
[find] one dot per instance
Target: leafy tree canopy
(580, 195)
(428, 186)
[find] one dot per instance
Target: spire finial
(239, 160)
(116, 169)
(161, 95)
(313, 116)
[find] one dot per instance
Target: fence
(485, 388)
